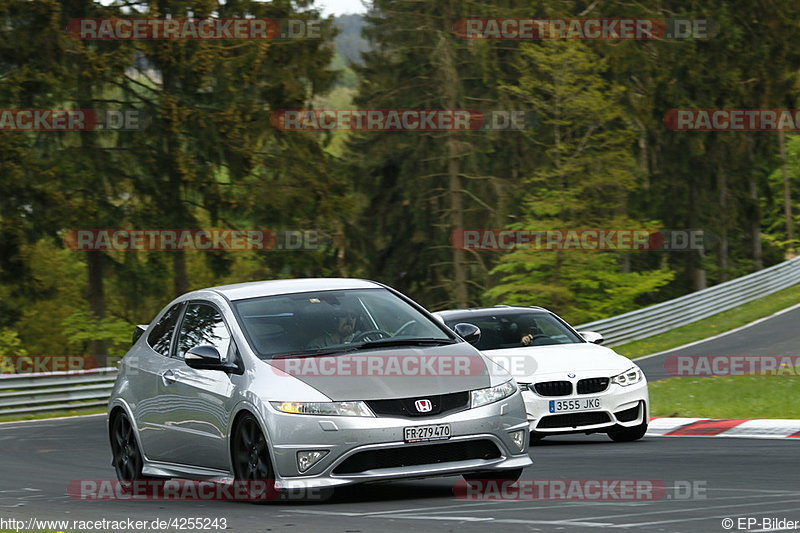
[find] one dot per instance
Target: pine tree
(584, 183)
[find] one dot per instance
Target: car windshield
(332, 321)
(515, 330)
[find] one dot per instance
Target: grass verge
(53, 414)
(727, 397)
(713, 325)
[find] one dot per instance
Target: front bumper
(614, 401)
(486, 427)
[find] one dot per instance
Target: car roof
(255, 289)
(500, 310)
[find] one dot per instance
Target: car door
(146, 368)
(197, 403)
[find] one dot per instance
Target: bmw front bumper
(619, 407)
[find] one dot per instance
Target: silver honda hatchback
(311, 383)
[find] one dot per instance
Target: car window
(161, 334)
(314, 320)
(203, 324)
(499, 331)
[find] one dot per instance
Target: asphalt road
(779, 335)
(735, 478)
(704, 480)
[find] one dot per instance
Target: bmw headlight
(323, 408)
(629, 377)
(492, 394)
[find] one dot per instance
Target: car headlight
(323, 408)
(629, 377)
(492, 394)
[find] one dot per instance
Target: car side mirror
(138, 331)
(469, 332)
(207, 357)
(593, 337)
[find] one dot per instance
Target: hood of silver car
(397, 372)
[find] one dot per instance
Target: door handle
(169, 377)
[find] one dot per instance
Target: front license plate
(426, 433)
(568, 406)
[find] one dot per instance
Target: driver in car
(343, 332)
(530, 331)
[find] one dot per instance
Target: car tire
(628, 434)
(498, 475)
(251, 460)
(126, 457)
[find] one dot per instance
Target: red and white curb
(771, 428)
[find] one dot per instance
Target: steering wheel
(404, 326)
(534, 337)
(363, 335)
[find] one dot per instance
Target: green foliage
(10, 343)
(598, 156)
(347, 76)
(584, 181)
(82, 327)
(581, 286)
(727, 397)
(208, 157)
(417, 187)
(10, 346)
(772, 203)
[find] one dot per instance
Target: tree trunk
(450, 80)
(756, 227)
(96, 296)
(698, 272)
(722, 188)
(457, 222)
(787, 193)
(174, 205)
(94, 197)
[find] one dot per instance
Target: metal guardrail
(63, 391)
(672, 314)
(55, 391)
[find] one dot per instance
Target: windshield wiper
(405, 342)
(366, 345)
(315, 352)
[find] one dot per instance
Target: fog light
(308, 458)
(518, 437)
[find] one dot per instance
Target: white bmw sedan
(570, 384)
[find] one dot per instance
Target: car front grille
(592, 385)
(553, 388)
(628, 415)
(572, 420)
(428, 454)
(404, 407)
